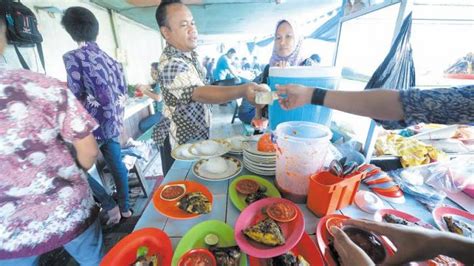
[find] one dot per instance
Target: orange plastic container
(328, 192)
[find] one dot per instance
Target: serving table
(224, 210)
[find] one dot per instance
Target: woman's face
(285, 42)
(154, 74)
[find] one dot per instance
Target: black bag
(397, 70)
(22, 28)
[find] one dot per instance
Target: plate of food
(324, 238)
(215, 236)
(197, 256)
(181, 153)
(398, 217)
(247, 189)
(209, 148)
(269, 227)
(236, 143)
(217, 168)
(305, 253)
(373, 245)
(454, 220)
(183, 199)
(252, 147)
(147, 245)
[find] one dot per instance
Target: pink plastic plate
(305, 247)
(439, 212)
(380, 213)
(292, 231)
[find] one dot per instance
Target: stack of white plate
(260, 163)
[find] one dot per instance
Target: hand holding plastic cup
(259, 123)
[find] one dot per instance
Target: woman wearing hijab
(286, 52)
(287, 45)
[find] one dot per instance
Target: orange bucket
(328, 193)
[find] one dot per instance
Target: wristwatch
(318, 96)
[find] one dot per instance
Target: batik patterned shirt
(453, 105)
(45, 200)
(179, 75)
(98, 82)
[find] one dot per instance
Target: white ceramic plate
(259, 171)
(182, 153)
(223, 147)
(234, 167)
(261, 166)
(251, 147)
(259, 159)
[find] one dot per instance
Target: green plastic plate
(239, 200)
(194, 238)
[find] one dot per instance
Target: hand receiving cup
(259, 123)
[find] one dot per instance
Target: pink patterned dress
(45, 200)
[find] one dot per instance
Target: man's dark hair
(161, 12)
(81, 24)
(154, 65)
(231, 51)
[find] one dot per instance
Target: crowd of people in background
(225, 66)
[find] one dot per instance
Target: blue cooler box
(315, 76)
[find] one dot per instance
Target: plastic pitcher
(301, 152)
(316, 76)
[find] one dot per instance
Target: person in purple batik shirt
(98, 82)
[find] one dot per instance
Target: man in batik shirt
(98, 82)
(182, 81)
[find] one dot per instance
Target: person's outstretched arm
(147, 90)
(377, 104)
(221, 94)
(454, 105)
(412, 243)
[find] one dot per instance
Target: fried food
(393, 219)
(226, 256)
(196, 203)
(258, 195)
(266, 232)
(288, 259)
(458, 227)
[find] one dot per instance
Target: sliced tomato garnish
(247, 186)
(282, 212)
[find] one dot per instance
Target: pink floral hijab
(294, 58)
